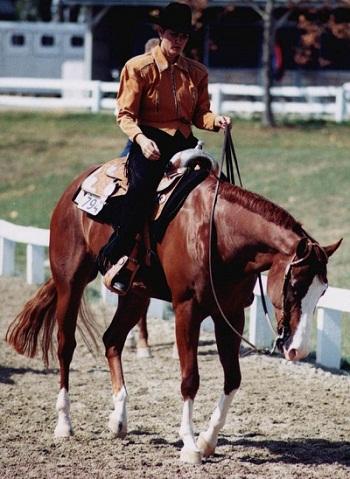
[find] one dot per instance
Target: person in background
(162, 94)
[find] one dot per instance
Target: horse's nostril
(292, 353)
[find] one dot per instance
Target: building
(227, 38)
(42, 50)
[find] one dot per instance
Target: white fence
(330, 308)
(307, 102)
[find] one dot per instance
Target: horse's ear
(330, 249)
(303, 248)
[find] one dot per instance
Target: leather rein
(229, 154)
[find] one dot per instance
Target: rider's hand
(222, 121)
(149, 147)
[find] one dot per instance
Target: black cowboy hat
(176, 16)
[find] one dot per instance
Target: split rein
(229, 154)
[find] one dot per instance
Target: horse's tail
(36, 319)
(36, 323)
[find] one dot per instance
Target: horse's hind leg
(125, 318)
(70, 278)
(68, 302)
(228, 347)
(143, 349)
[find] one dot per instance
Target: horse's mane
(261, 206)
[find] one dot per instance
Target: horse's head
(295, 287)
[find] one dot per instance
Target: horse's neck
(251, 239)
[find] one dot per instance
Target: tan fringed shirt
(169, 97)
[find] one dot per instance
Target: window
(47, 41)
(77, 41)
(17, 40)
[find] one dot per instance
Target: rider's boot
(120, 276)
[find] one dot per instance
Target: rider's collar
(162, 63)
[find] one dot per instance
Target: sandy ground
(287, 420)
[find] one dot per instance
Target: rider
(151, 43)
(161, 94)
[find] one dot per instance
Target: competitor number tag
(90, 203)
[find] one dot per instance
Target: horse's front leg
(187, 334)
(124, 320)
(228, 347)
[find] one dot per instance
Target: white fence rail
(36, 239)
(330, 308)
(312, 101)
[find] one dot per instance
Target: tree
(267, 52)
(310, 43)
(270, 27)
(316, 25)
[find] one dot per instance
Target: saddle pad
(108, 180)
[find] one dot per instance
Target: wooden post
(216, 98)
(340, 105)
(96, 97)
(328, 351)
(7, 257)
(259, 332)
(35, 273)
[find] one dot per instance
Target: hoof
(143, 353)
(190, 457)
(205, 448)
(63, 432)
(117, 427)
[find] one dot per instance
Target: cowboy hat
(176, 16)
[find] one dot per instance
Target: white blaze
(301, 339)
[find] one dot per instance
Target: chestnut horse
(250, 235)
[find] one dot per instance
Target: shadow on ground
(7, 373)
(300, 451)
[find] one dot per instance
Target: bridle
(283, 326)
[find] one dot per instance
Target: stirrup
(120, 276)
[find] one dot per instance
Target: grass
(304, 167)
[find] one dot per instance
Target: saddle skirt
(110, 180)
